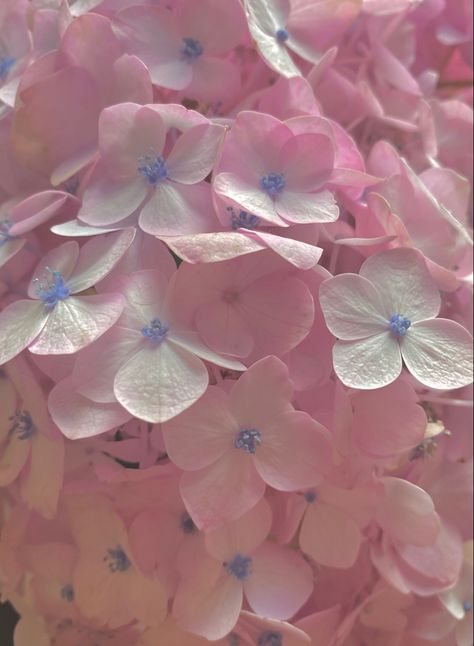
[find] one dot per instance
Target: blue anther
(248, 439)
(23, 425)
(310, 495)
(399, 324)
(273, 183)
(67, 593)
(53, 290)
(155, 331)
(191, 49)
(117, 560)
(187, 524)
(244, 220)
(270, 638)
(240, 567)
(6, 63)
(467, 606)
(5, 226)
(153, 168)
(281, 35)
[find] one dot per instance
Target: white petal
(20, 324)
(438, 353)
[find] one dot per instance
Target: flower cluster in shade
(235, 322)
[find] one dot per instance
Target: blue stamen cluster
(281, 35)
(399, 324)
(153, 168)
(310, 496)
(67, 593)
(22, 425)
(187, 524)
(244, 220)
(248, 439)
(6, 63)
(240, 567)
(467, 606)
(270, 638)
(5, 226)
(155, 331)
(54, 290)
(191, 49)
(117, 560)
(273, 184)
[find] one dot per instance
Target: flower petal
(439, 353)
(368, 363)
(306, 208)
(194, 154)
(107, 201)
(20, 324)
(251, 198)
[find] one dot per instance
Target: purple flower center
(248, 439)
(117, 560)
(153, 168)
(273, 183)
(240, 567)
(310, 496)
(6, 63)
(281, 35)
(155, 331)
(191, 49)
(270, 638)
(22, 425)
(5, 226)
(244, 220)
(53, 290)
(67, 593)
(399, 324)
(467, 606)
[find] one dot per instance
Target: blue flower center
(23, 425)
(6, 63)
(240, 567)
(53, 290)
(270, 638)
(153, 168)
(310, 496)
(281, 35)
(191, 49)
(67, 593)
(155, 331)
(248, 439)
(399, 324)
(187, 524)
(117, 560)
(244, 219)
(5, 226)
(467, 606)
(273, 184)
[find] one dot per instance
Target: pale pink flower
(275, 580)
(55, 321)
(230, 446)
(387, 314)
(139, 168)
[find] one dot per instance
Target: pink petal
(251, 198)
(20, 324)
(304, 208)
(294, 452)
(211, 247)
(208, 602)
(330, 536)
(404, 283)
(439, 353)
(76, 322)
(368, 363)
(261, 394)
(393, 408)
(126, 133)
(352, 307)
(176, 209)
(307, 161)
(224, 330)
(107, 201)
(190, 341)
(194, 154)
(160, 382)
(42, 486)
(201, 434)
(408, 513)
(280, 583)
(13, 458)
(79, 417)
(300, 254)
(231, 21)
(62, 259)
(242, 536)
(213, 78)
(223, 491)
(98, 257)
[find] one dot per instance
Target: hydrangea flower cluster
(235, 295)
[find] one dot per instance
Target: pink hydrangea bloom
(387, 314)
